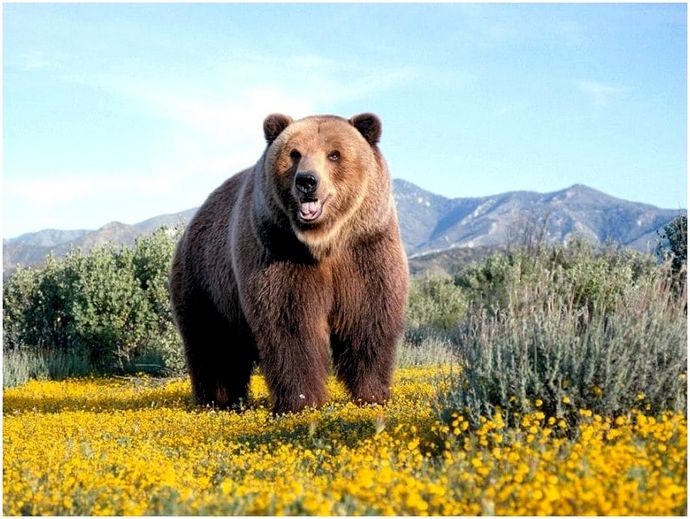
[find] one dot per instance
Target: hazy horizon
(102, 224)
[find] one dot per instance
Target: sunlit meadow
(138, 446)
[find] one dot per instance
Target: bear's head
(322, 169)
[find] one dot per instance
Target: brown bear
(292, 262)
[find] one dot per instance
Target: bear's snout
(309, 199)
(306, 182)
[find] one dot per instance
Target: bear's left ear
(274, 124)
(369, 126)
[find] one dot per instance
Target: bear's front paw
(371, 396)
(298, 403)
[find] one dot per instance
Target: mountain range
(428, 223)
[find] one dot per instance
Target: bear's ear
(274, 124)
(369, 126)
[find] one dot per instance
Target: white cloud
(300, 85)
(46, 191)
(216, 130)
(601, 93)
(89, 201)
(213, 130)
(35, 60)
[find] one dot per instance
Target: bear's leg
(220, 356)
(295, 363)
(368, 320)
(288, 320)
(363, 361)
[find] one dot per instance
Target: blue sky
(122, 112)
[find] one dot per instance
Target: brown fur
(251, 281)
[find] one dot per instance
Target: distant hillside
(448, 261)
(167, 220)
(428, 222)
(436, 223)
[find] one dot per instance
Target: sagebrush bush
(435, 306)
(431, 350)
(24, 364)
(107, 309)
(594, 277)
(570, 329)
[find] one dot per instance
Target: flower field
(138, 446)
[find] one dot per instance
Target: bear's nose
(306, 182)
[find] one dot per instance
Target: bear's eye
(295, 155)
(334, 156)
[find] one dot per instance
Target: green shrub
(430, 351)
(22, 365)
(152, 261)
(435, 306)
(109, 306)
(573, 328)
(594, 277)
(673, 243)
(673, 248)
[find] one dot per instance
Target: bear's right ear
(274, 124)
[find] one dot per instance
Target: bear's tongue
(310, 210)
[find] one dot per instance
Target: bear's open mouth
(310, 211)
